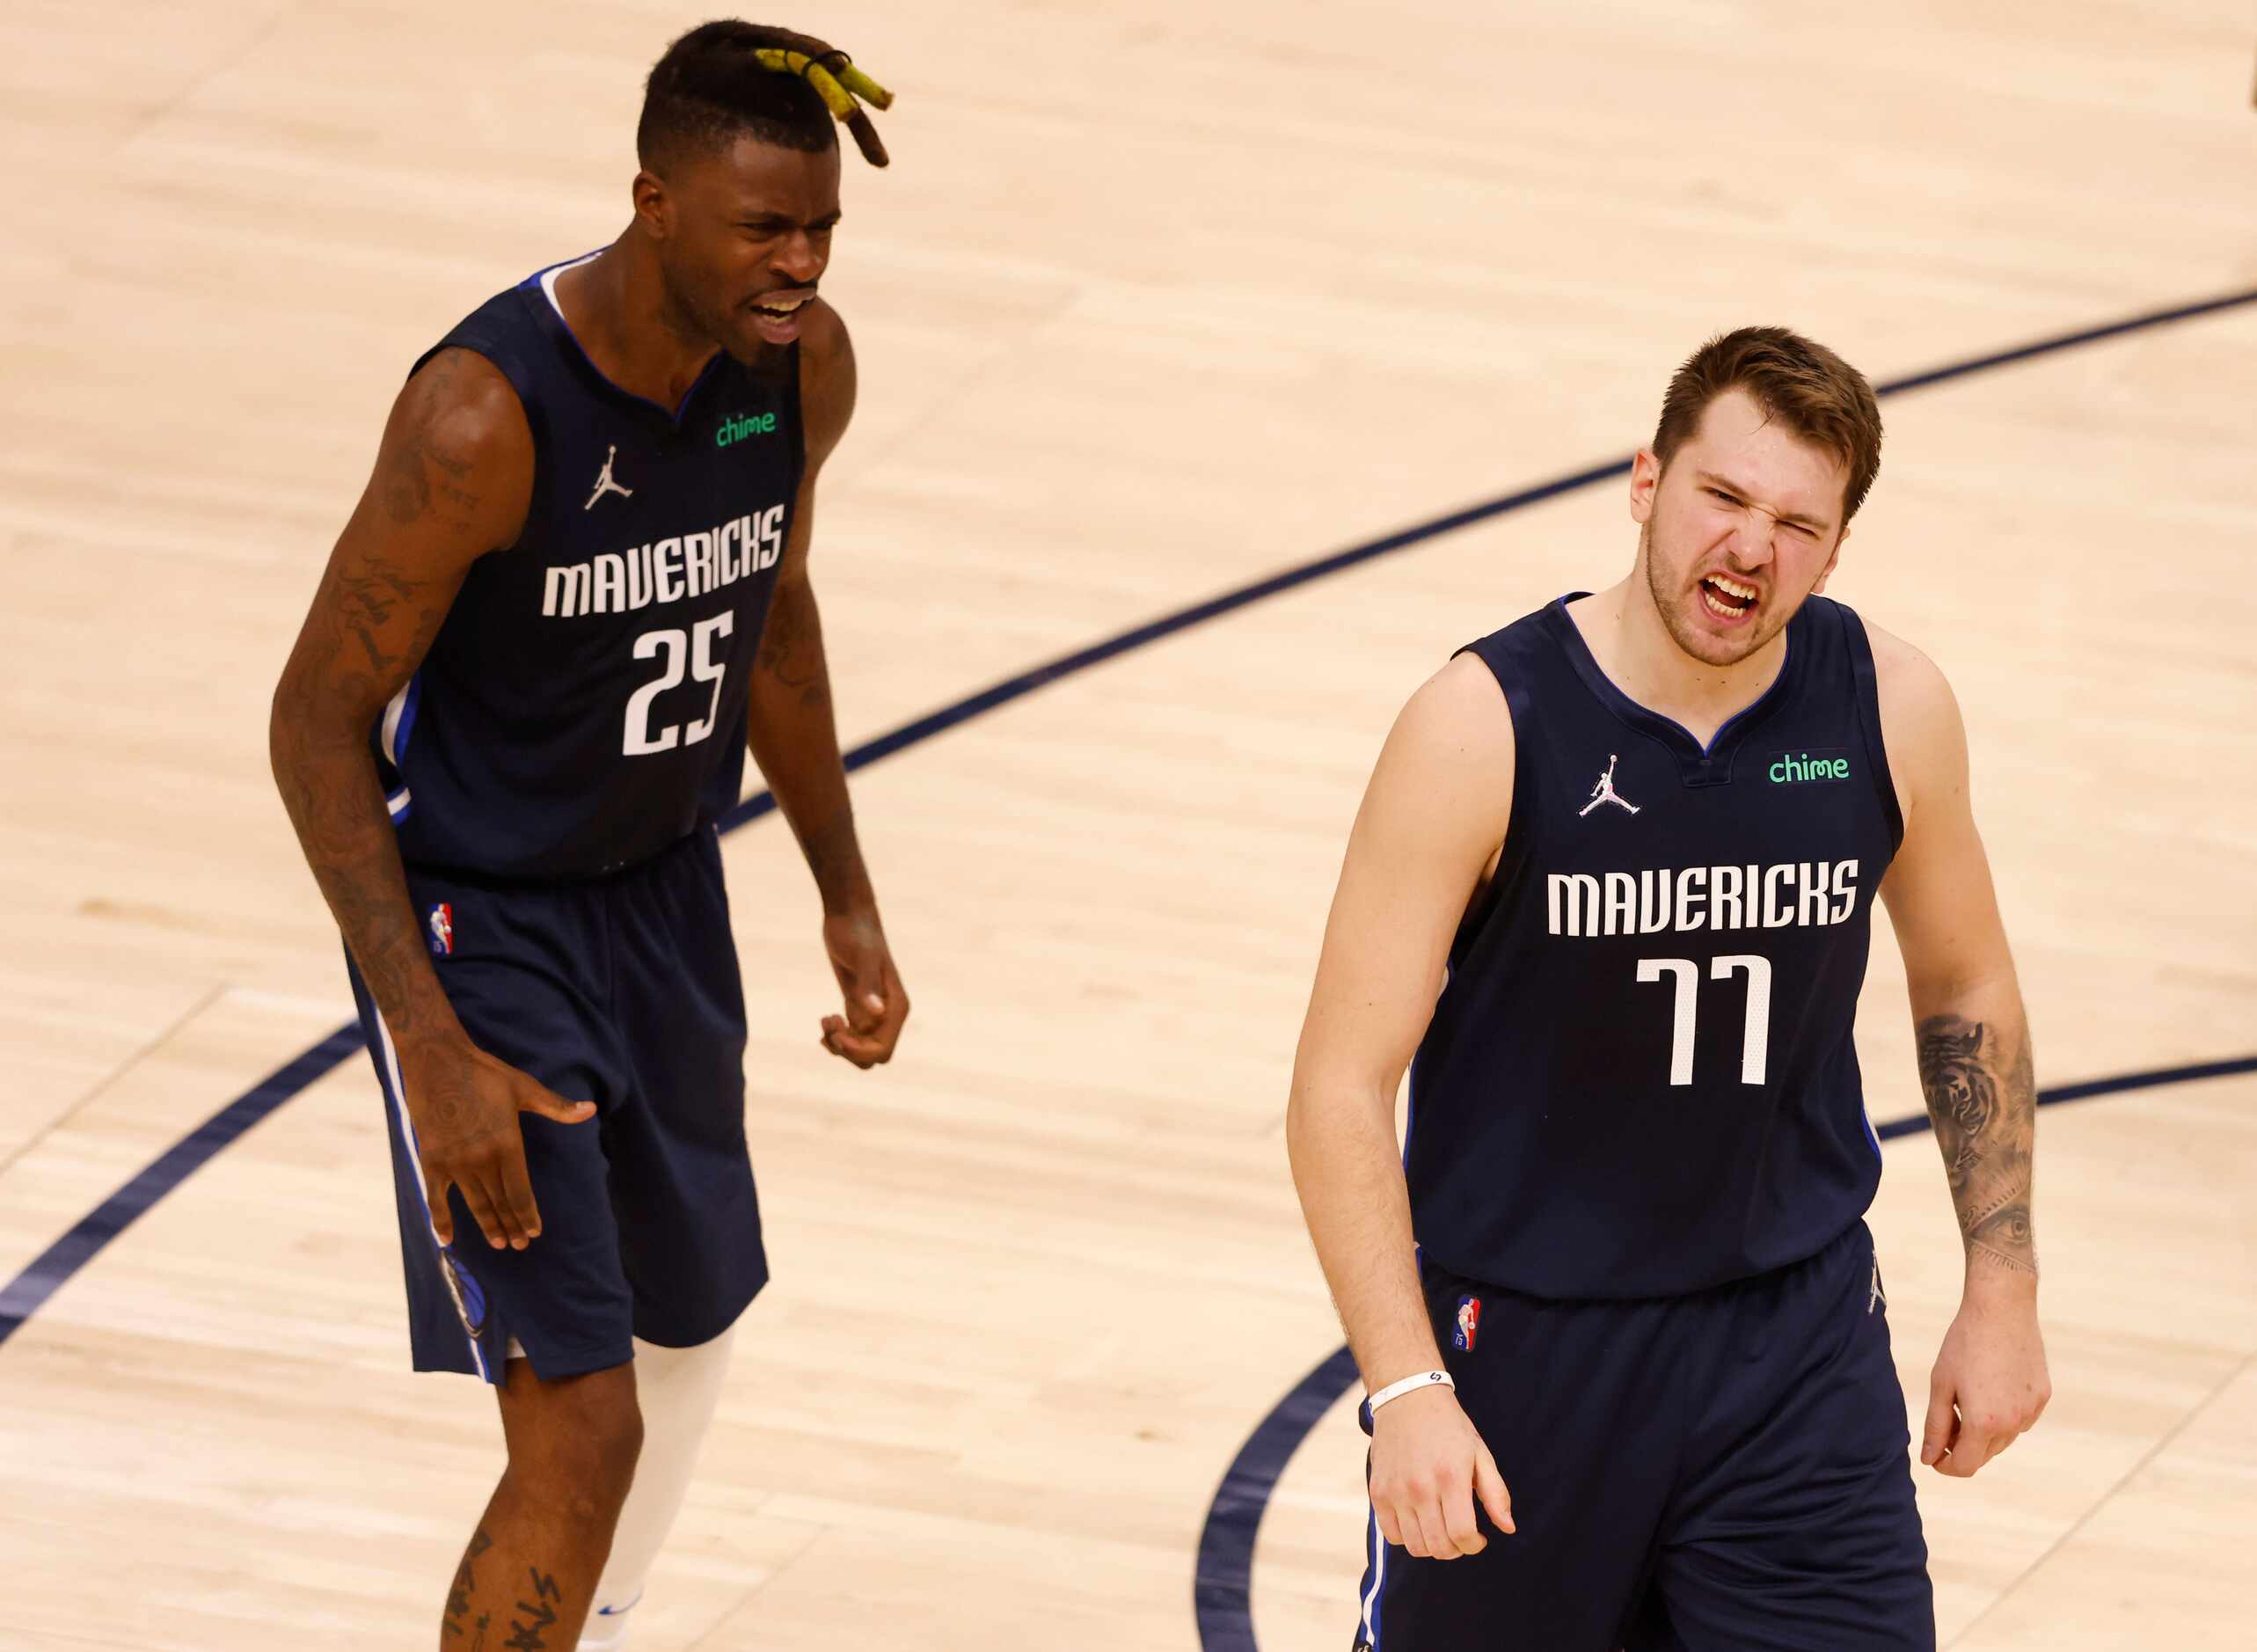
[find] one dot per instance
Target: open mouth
(1725, 597)
(778, 317)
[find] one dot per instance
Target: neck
(1626, 635)
(617, 306)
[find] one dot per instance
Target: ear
(1826, 573)
(1645, 477)
(654, 205)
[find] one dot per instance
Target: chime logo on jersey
(443, 930)
(743, 427)
(1828, 762)
(1469, 1323)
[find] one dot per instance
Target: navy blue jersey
(583, 706)
(1638, 1079)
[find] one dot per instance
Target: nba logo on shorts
(443, 929)
(1469, 1323)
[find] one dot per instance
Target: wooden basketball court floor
(1155, 301)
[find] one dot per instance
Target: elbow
(1299, 1125)
(282, 712)
(286, 727)
(302, 731)
(1315, 1117)
(1947, 992)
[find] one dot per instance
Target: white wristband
(1396, 1391)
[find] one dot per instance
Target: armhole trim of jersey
(796, 413)
(1861, 666)
(1519, 716)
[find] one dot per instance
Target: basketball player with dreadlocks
(1615, 1305)
(574, 593)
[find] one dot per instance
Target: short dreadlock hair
(709, 89)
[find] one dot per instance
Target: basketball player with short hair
(1608, 896)
(575, 590)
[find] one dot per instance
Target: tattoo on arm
(334, 801)
(375, 616)
(364, 602)
(834, 858)
(795, 739)
(792, 644)
(1984, 1105)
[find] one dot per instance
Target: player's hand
(1989, 1384)
(876, 1005)
(1428, 1466)
(464, 1104)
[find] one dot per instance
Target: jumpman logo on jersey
(605, 485)
(1604, 791)
(1878, 1299)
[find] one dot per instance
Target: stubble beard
(689, 321)
(1674, 609)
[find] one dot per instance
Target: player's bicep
(1434, 812)
(453, 480)
(1938, 889)
(827, 389)
(828, 384)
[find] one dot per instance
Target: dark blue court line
(29, 1289)
(1221, 1590)
(2154, 1078)
(75, 1249)
(2068, 340)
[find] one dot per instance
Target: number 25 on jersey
(697, 646)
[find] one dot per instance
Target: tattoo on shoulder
(407, 494)
(425, 474)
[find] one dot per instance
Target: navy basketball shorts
(1723, 1471)
(623, 992)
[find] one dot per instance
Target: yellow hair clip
(826, 72)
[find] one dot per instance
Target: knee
(581, 1441)
(609, 1440)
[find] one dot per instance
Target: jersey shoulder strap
(1521, 656)
(504, 333)
(1842, 670)
(500, 331)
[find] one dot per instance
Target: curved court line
(1222, 1589)
(47, 1272)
